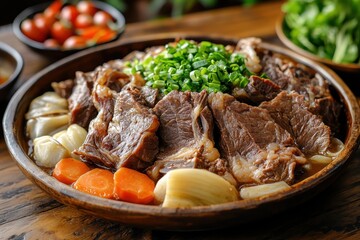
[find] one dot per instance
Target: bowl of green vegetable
(324, 31)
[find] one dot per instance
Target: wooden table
(28, 213)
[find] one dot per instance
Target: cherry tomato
(69, 13)
(102, 18)
(30, 30)
(75, 42)
(43, 23)
(60, 31)
(83, 20)
(53, 9)
(51, 43)
(88, 7)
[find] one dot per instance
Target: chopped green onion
(192, 66)
(201, 63)
(159, 84)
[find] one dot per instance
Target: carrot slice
(133, 186)
(68, 170)
(105, 36)
(91, 31)
(98, 182)
(98, 34)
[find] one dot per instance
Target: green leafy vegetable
(327, 28)
(191, 66)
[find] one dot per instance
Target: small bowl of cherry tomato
(60, 28)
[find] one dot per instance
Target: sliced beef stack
(186, 135)
(290, 111)
(258, 90)
(131, 140)
(285, 74)
(64, 88)
(296, 77)
(262, 131)
(123, 132)
(103, 99)
(81, 106)
(291, 76)
(329, 110)
(257, 148)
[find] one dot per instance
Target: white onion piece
(48, 152)
(160, 189)
(42, 126)
(47, 104)
(320, 159)
(263, 190)
(71, 138)
(335, 148)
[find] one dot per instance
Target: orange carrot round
(98, 182)
(68, 170)
(133, 186)
(98, 34)
(105, 36)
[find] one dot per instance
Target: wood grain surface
(26, 212)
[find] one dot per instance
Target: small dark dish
(344, 67)
(12, 63)
(57, 52)
(197, 218)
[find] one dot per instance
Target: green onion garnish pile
(191, 66)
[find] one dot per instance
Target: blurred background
(138, 10)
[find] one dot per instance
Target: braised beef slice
(146, 95)
(261, 89)
(184, 119)
(329, 110)
(291, 76)
(271, 67)
(151, 95)
(306, 82)
(92, 148)
(115, 80)
(131, 140)
(63, 88)
(81, 103)
(257, 90)
(290, 111)
(178, 139)
(123, 132)
(81, 106)
(257, 149)
(186, 135)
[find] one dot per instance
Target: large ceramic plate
(153, 216)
